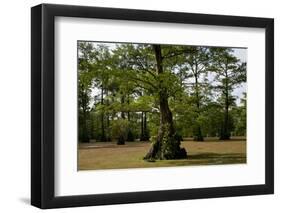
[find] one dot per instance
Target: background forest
(160, 93)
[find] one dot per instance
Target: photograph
(160, 105)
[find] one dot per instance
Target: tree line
(160, 93)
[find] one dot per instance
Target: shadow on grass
(214, 139)
(210, 158)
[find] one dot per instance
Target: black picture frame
(43, 102)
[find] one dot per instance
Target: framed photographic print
(139, 106)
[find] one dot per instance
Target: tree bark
(144, 131)
(121, 138)
(85, 136)
(108, 138)
(84, 105)
(128, 103)
(197, 130)
(145, 126)
(225, 133)
(166, 145)
(122, 106)
(103, 137)
(130, 135)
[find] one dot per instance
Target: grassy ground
(111, 156)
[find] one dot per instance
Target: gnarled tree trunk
(167, 144)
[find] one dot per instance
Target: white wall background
(15, 105)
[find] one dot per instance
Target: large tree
(167, 145)
(196, 62)
(100, 73)
(229, 72)
(86, 55)
(144, 65)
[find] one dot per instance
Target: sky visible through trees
(161, 94)
(240, 53)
